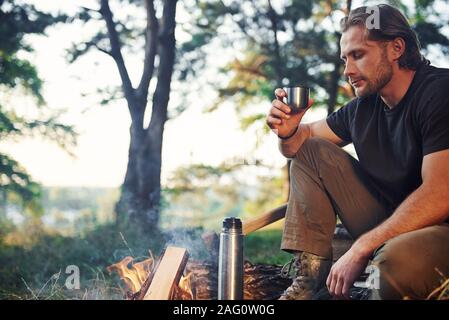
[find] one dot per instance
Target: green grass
(264, 247)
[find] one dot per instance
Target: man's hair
(393, 24)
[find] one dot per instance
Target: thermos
(230, 261)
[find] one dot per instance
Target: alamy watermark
(73, 280)
(373, 21)
(372, 282)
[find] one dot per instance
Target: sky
(101, 154)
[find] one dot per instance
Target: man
(395, 200)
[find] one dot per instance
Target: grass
(264, 247)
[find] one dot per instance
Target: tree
(16, 22)
(141, 190)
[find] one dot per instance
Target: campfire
(193, 279)
(174, 276)
(150, 280)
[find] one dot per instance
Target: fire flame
(134, 275)
(185, 285)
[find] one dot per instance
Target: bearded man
(393, 200)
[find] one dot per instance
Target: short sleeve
(434, 120)
(340, 121)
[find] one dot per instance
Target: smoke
(194, 240)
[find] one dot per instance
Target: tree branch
(151, 33)
(90, 9)
(166, 64)
(117, 54)
(100, 48)
(241, 24)
(272, 15)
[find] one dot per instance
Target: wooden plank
(168, 274)
(264, 219)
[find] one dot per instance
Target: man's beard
(383, 76)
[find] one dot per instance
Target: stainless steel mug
(230, 262)
(297, 98)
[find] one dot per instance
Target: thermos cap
(232, 223)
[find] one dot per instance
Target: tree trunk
(335, 74)
(140, 196)
(141, 192)
(333, 87)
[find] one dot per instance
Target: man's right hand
(279, 119)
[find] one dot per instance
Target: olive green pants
(326, 181)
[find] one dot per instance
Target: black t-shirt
(391, 143)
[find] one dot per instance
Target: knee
(387, 264)
(315, 144)
(399, 270)
(315, 150)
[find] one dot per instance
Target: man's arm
(428, 205)
(290, 147)
(291, 132)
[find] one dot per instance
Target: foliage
(18, 187)
(17, 20)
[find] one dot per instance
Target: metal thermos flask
(230, 261)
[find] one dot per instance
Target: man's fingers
(281, 106)
(329, 280)
(332, 285)
(272, 121)
(338, 287)
(275, 112)
(280, 93)
(345, 290)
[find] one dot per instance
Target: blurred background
(129, 124)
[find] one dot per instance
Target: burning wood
(133, 274)
(149, 281)
(261, 282)
(168, 274)
(184, 290)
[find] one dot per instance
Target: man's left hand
(345, 271)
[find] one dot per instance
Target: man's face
(366, 62)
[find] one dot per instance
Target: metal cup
(297, 98)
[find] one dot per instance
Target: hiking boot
(309, 281)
